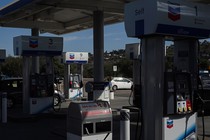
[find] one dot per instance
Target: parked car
(58, 96)
(121, 83)
(14, 89)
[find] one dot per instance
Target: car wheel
(10, 103)
(57, 100)
(114, 87)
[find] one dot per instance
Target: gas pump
(38, 88)
(98, 91)
(75, 86)
(167, 96)
(41, 92)
(73, 83)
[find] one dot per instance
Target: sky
(5, 2)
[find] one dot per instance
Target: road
(121, 98)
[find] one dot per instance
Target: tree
(125, 68)
(108, 69)
(58, 67)
(88, 70)
(12, 66)
(203, 64)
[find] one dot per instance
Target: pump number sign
(169, 17)
(37, 45)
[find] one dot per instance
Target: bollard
(111, 95)
(125, 124)
(4, 107)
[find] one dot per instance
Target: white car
(121, 83)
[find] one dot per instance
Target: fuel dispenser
(98, 91)
(75, 86)
(167, 96)
(41, 92)
(89, 120)
(38, 88)
(73, 83)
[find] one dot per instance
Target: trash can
(111, 95)
(89, 120)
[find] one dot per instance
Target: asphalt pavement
(52, 126)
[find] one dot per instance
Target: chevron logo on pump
(71, 56)
(174, 11)
(170, 123)
(33, 43)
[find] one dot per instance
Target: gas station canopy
(201, 1)
(61, 16)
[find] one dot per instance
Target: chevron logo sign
(174, 11)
